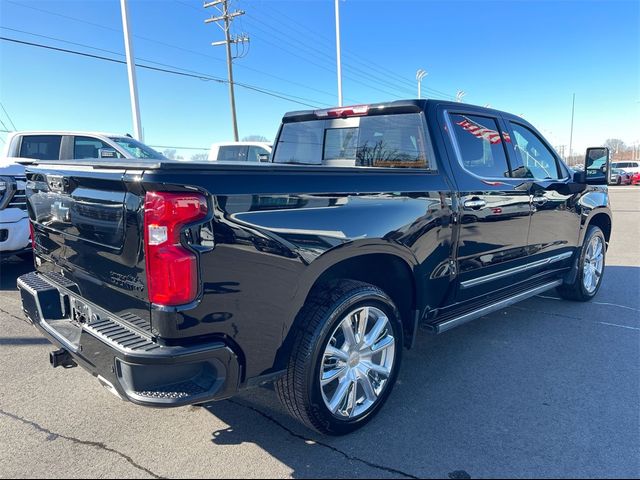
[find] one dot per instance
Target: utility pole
(131, 70)
(420, 74)
(225, 17)
(573, 104)
(339, 63)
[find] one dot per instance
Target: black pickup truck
(180, 283)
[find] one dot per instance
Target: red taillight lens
(33, 236)
(172, 270)
(342, 112)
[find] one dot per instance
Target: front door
(555, 219)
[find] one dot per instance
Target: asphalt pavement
(545, 388)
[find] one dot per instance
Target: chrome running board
(480, 312)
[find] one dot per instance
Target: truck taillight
(172, 270)
(343, 112)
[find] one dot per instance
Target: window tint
(534, 158)
(255, 152)
(374, 141)
(41, 147)
(87, 147)
(480, 144)
(233, 153)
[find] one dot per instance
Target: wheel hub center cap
(354, 359)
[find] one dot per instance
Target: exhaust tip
(61, 358)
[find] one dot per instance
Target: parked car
(15, 236)
(240, 152)
(632, 168)
(617, 176)
(313, 271)
(67, 145)
(24, 147)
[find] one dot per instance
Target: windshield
(376, 141)
(136, 149)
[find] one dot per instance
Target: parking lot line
(621, 326)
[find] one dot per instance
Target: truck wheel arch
(392, 273)
(602, 220)
(600, 217)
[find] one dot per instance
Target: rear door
(494, 206)
(555, 221)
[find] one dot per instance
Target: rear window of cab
(383, 141)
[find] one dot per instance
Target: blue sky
(524, 57)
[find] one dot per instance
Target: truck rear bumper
(130, 364)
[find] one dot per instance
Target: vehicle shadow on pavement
(538, 387)
(10, 269)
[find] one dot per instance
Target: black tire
(299, 389)
(27, 256)
(577, 291)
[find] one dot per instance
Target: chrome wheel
(357, 362)
(593, 264)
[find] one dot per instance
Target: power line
(313, 52)
(328, 58)
(355, 58)
(224, 21)
(159, 63)
(199, 76)
(177, 47)
(7, 114)
(6, 129)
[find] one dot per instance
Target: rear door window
(480, 145)
(233, 153)
(88, 147)
(41, 147)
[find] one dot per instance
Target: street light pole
(573, 105)
(337, 8)
(131, 70)
(460, 95)
(420, 74)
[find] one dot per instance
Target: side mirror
(264, 157)
(107, 153)
(596, 166)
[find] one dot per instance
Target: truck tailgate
(88, 226)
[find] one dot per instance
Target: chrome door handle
(539, 200)
(475, 204)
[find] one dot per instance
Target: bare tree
(199, 157)
(170, 153)
(615, 145)
(255, 138)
